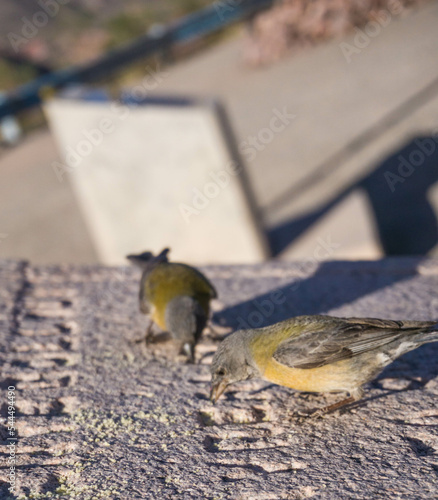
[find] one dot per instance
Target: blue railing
(220, 14)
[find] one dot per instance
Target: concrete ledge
(101, 417)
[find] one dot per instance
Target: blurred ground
(358, 107)
(39, 215)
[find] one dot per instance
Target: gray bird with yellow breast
(176, 296)
(317, 353)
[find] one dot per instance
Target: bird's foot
(147, 339)
(319, 413)
(144, 339)
(158, 338)
(151, 338)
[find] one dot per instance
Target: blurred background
(233, 131)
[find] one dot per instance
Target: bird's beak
(217, 389)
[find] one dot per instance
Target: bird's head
(231, 363)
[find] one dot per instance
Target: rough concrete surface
(100, 416)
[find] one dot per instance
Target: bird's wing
(201, 283)
(210, 288)
(339, 339)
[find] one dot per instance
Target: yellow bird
(317, 353)
(176, 296)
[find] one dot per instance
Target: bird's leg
(148, 337)
(335, 406)
(189, 350)
(355, 395)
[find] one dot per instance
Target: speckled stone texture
(100, 416)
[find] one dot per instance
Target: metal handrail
(208, 20)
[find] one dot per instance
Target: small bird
(176, 296)
(317, 353)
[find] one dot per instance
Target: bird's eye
(221, 372)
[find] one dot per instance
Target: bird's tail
(428, 334)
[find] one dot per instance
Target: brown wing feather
(341, 339)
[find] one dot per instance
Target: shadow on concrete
(397, 191)
(334, 284)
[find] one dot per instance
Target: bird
(176, 296)
(319, 353)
